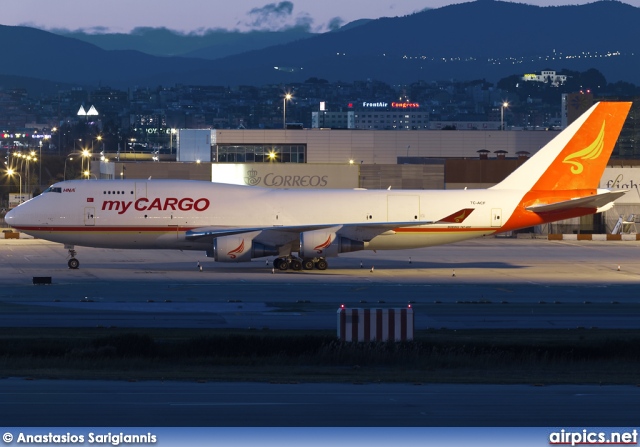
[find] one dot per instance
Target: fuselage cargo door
(89, 216)
(403, 208)
(496, 217)
(141, 190)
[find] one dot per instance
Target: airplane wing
(373, 228)
(596, 201)
(364, 231)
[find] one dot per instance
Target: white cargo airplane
(303, 227)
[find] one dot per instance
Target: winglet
(457, 217)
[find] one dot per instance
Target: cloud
(304, 21)
(271, 16)
(335, 24)
(279, 17)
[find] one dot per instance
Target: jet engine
(322, 243)
(240, 248)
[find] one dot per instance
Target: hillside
(482, 39)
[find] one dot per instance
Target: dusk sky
(198, 15)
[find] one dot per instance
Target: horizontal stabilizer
(595, 201)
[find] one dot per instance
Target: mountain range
(484, 39)
(212, 44)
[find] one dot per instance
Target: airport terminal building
(352, 158)
(359, 158)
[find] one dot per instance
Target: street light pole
(286, 98)
(64, 174)
(40, 165)
(85, 153)
(10, 172)
(502, 107)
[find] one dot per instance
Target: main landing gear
(73, 262)
(298, 264)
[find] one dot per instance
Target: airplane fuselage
(158, 213)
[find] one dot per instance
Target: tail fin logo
(461, 217)
(322, 246)
(457, 217)
(591, 152)
(236, 251)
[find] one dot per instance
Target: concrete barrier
(366, 325)
(593, 237)
(40, 280)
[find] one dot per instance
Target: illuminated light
(405, 105)
(272, 155)
(351, 161)
(374, 104)
(198, 161)
(287, 97)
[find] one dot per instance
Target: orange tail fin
(577, 157)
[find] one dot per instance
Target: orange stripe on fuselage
(99, 229)
(445, 230)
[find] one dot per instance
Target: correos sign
(270, 175)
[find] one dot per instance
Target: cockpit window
(52, 189)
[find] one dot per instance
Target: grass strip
(451, 356)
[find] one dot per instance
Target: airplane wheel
(322, 264)
(282, 265)
(296, 265)
(307, 264)
(73, 263)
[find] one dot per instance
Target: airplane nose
(12, 218)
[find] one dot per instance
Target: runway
(76, 403)
(486, 283)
